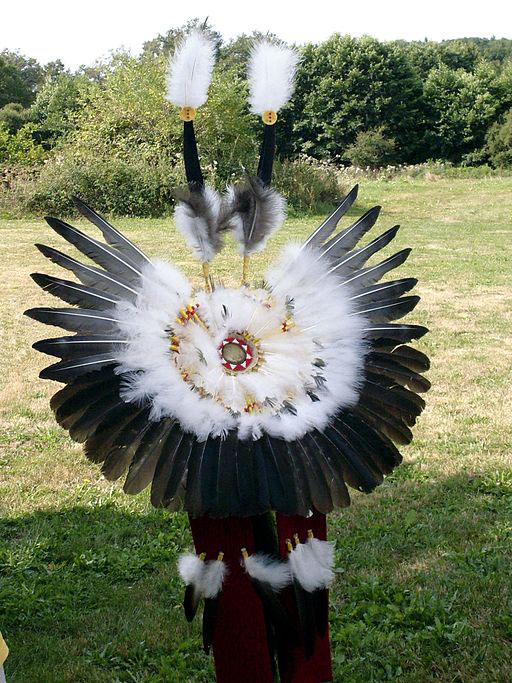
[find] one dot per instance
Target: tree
(499, 142)
(347, 85)
(25, 76)
(461, 108)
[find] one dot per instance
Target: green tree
(461, 108)
(347, 85)
(25, 74)
(57, 102)
(499, 142)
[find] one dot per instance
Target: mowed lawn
(88, 584)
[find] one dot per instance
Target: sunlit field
(88, 584)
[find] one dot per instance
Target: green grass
(88, 586)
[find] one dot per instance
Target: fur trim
(190, 71)
(271, 72)
(263, 568)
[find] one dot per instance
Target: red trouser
(240, 645)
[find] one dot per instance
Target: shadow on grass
(91, 593)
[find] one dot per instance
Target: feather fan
(253, 212)
(190, 71)
(271, 72)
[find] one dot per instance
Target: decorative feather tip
(271, 72)
(197, 218)
(253, 213)
(190, 70)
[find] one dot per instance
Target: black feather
(115, 238)
(68, 370)
(179, 470)
(75, 293)
(106, 257)
(329, 225)
(389, 309)
(411, 358)
(356, 259)
(346, 240)
(91, 419)
(210, 610)
(78, 346)
(90, 275)
(318, 486)
(124, 446)
(98, 446)
(385, 364)
(402, 333)
(321, 449)
(384, 423)
(372, 274)
(384, 290)
(86, 321)
(279, 476)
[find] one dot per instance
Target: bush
(19, 149)
(371, 149)
(499, 142)
(117, 186)
(306, 183)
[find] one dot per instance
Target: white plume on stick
(271, 72)
(190, 70)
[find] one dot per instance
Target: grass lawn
(88, 585)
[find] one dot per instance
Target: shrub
(499, 142)
(123, 187)
(19, 149)
(306, 183)
(371, 149)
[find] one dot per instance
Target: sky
(80, 33)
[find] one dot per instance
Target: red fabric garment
(295, 668)
(240, 647)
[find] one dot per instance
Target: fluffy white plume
(190, 71)
(271, 72)
(191, 569)
(323, 553)
(263, 568)
(213, 578)
(307, 570)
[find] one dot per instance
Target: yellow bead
(188, 114)
(269, 117)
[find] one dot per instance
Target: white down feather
(190, 70)
(271, 72)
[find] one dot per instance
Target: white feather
(271, 72)
(190, 71)
(191, 569)
(214, 575)
(263, 568)
(307, 570)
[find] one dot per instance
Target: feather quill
(190, 71)
(271, 72)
